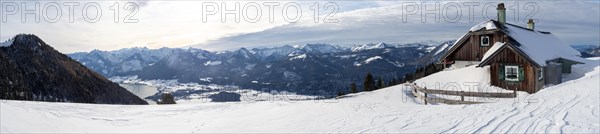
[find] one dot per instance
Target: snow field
(571, 107)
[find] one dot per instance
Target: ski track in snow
(565, 108)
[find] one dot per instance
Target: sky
(71, 26)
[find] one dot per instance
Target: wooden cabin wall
(539, 83)
(470, 50)
(507, 56)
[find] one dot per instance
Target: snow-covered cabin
(520, 58)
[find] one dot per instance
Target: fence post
(415, 89)
(425, 97)
(462, 95)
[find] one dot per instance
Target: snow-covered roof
(442, 48)
(536, 45)
(458, 40)
(492, 50)
(488, 25)
(454, 45)
(540, 46)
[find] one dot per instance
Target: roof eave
(487, 60)
(461, 40)
(516, 50)
(454, 46)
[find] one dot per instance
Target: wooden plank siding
(507, 56)
(471, 50)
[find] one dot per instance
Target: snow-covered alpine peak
(7, 43)
(320, 48)
(299, 46)
(243, 52)
(381, 44)
(29, 41)
(293, 54)
(96, 52)
(274, 53)
(302, 56)
(369, 46)
(430, 42)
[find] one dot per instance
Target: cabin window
(485, 41)
(540, 73)
(511, 73)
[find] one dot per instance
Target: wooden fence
(462, 94)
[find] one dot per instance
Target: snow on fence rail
(462, 94)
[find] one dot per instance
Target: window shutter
(521, 73)
(501, 72)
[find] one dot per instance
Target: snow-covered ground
(469, 78)
(147, 88)
(571, 107)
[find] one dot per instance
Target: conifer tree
(340, 93)
(369, 83)
(166, 98)
(353, 88)
(381, 83)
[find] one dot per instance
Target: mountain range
(305, 69)
(588, 50)
(33, 70)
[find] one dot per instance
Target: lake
(141, 90)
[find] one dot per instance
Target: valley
(311, 69)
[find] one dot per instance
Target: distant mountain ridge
(33, 70)
(310, 68)
(588, 50)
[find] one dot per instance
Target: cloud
(141, 3)
(157, 24)
(574, 22)
(180, 23)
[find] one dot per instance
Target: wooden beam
(462, 93)
(452, 102)
(472, 94)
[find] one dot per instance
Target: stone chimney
(530, 24)
(501, 13)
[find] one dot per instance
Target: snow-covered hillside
(571, 107)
